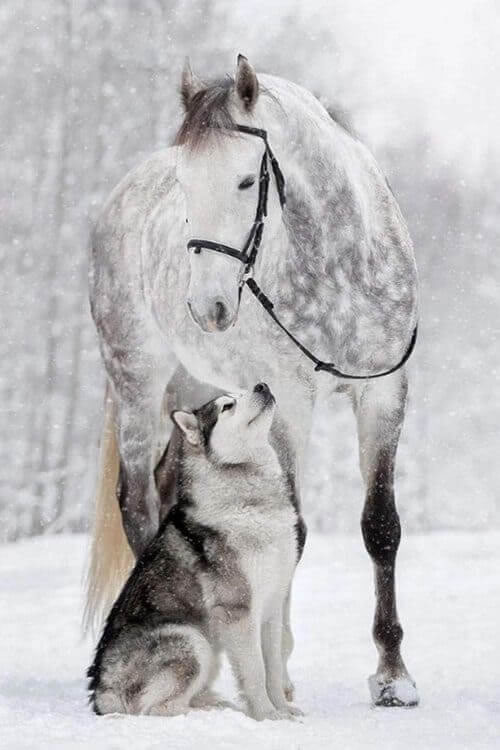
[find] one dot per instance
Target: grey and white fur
(216, 577)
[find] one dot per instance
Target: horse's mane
(208, 114)
(339, 115)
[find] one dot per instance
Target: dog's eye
(246, 183)
(227, 407)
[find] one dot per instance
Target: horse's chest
(233, 359)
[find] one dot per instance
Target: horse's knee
(139, 507)
(381, 528)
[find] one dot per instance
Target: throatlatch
(248, 255)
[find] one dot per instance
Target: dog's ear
(188, 425)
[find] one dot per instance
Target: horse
(176, 321)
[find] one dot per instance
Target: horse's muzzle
(216, 317)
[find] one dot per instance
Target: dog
(216, 578)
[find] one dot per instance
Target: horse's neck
(338, 200)
(343, 254)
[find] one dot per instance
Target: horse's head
(219, 169)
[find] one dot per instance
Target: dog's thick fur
(216, 577)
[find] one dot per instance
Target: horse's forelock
(207, 115)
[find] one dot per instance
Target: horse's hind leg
(379, 407)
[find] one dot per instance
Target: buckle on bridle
(246, 274)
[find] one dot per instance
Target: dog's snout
(264, 393)
(261, 388)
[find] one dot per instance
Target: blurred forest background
(88, 88)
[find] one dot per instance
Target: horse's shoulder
(138, 193)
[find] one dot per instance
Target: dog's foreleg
(243, 644)
(272, 640)
(287, 644)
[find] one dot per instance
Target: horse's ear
(190, 84)
(246, 83)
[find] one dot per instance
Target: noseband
(248, 255)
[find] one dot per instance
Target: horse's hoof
(401, 692)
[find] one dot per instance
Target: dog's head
(231, 429)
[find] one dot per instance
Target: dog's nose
(264, 394)
(261, 388)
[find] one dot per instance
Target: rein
(248, 255)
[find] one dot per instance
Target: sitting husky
(215, 578)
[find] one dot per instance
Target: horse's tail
(111, 558)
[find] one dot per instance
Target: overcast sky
(431, 64)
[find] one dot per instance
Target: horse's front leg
(380, 407)
(139, 395)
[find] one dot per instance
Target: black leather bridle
(248, 255)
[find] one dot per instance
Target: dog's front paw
(294, 710)
(272, 714)
(289, 709)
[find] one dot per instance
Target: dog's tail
(111, 558)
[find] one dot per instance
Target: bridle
(248, 255)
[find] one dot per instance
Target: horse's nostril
(220, 313)
(261, 387)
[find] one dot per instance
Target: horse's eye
(246, 183)
(227, 407)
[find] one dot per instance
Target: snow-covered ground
(449, 600)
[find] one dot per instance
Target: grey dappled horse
(337, 262)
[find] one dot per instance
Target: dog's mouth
(267, 402)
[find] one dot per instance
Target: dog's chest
(268, 565)
(255, 558)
